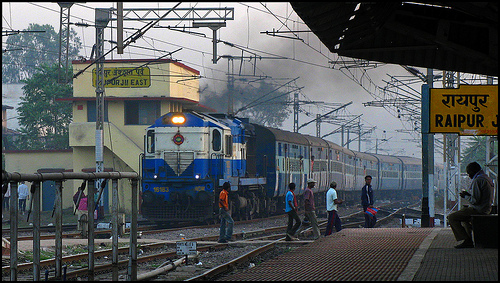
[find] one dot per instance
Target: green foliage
(44, 122)
(475, 150)
(28, 50)
(264, 105)
(27, 256)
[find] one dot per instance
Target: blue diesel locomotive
(188, 156)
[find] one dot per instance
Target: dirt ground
(46, 218)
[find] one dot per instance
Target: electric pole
(63, 41)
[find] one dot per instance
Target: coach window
(216, 140)
(229, 145)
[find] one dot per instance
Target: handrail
(59, 178)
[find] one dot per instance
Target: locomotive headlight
(178, 119)
(197, 176)
(155, 176)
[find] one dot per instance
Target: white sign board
(186, 248)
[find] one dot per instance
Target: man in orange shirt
(225, 232)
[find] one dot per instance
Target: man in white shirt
(23, 194)
(331, 207)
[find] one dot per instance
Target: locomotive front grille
(171, 212)
(179, 161)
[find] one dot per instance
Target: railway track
(264, 240)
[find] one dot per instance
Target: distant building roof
(153, 61)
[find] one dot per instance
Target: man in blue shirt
(367, 201)
(291, 209)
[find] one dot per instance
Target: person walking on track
(331, 208)
(291, 209)
(310, 209)
(225, 217)
(367, 201)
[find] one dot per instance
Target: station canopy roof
(451, 36)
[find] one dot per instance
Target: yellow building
(137, 92)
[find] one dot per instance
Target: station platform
(379, 254)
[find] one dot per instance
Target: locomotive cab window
(150, 141)
(216, 140)
(228, 150)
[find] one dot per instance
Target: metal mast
(102, 17)
(451, 153)
(427, 156)
(64, 41)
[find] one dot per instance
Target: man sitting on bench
(480, 197)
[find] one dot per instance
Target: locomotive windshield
(150, 141)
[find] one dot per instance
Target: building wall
(162, 80)
(29, 161)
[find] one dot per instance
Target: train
(189, 155)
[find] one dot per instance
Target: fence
(59, 178)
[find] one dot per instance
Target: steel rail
(231, 264)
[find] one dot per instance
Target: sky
(306, 59)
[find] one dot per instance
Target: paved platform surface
(442, 262)
(379, 254)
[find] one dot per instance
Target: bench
(485, 231)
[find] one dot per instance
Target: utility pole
(492, 161)
(295, 112)
(230, 86)
(359, 135)
(318, 125)
(451, 153)
(427, 218)
(102, 17)
(63, 41)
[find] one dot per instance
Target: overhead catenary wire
(130, 39)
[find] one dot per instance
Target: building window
(92, 112)
(141, 112)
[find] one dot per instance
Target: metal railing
(59, 178)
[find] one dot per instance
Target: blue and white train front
(182, 164)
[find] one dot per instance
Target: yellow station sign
(467, 110)
(125, 77)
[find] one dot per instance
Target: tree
(475, 151)
(44, 122)
(28, 50)
(264, 105)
